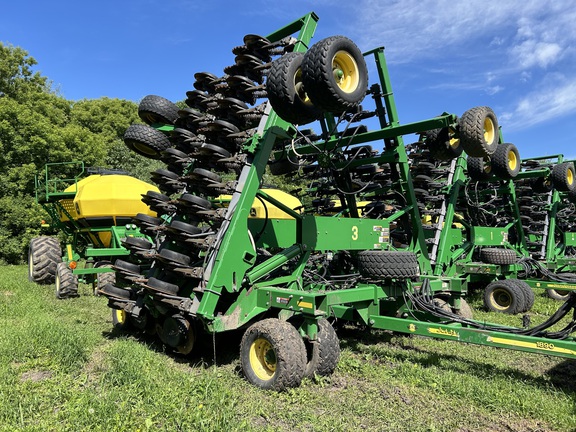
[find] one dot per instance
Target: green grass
(63, 369)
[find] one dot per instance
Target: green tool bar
(371, 136)
(273, 263)
(95, 252)
(559, 348)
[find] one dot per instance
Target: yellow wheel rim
(345, 71)
(263, 359)
(489, 130)
(454, 143)
(501, 299)
(570, 177)
(144, 149)
(120, 316)
(299, 87)
(30, 265)
(512, 160)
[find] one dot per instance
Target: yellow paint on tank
(100, 196)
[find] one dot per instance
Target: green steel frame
(237, 291)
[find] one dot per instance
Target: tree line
(38, 126)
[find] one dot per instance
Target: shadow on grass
(562, 376)
(209, 350)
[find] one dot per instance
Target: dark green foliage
(38, 126)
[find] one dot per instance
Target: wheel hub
(488, 130)
(263, 359)
(501, 299)
(345, 71)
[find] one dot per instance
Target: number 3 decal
(354, 233)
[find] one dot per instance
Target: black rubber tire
(204, 174)
(564, 176)
(388, 264)
(559, 295)
(147, 219)
(323, 354)
(154, 109)
(318, 74)
(127, 267)
(441, 303)
(505, 161)
(479, 131)
(441, 145)
(103, 279)
(189, 200)
(504, 296)
(110, 290)
(146, 141)
(66, 282)
(167, 255)
(572, 196)
(183, 228)
(273, 355)
(478, 169)
(529, 296)
(162, 286)
(465, 310)
(44, 254)
(499, 256)
(286, 91)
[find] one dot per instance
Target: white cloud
(520, 52)
(556, 100)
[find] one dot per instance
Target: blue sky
(518, 57)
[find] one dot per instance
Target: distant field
(62, 369)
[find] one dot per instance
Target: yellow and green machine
(382, 236)
(93, 210)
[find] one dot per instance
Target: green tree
(38, 126)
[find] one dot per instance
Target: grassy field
(63, 369)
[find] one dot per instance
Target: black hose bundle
(424, 301)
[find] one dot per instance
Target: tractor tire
(286, 91)
(529, 296)
(66, 282)
(335, 75)
(273, 355)
(479, 169)
(442, 146)
(442, 304)
(498, 256)
(479, 132)
(376, 264)
(146, 141)
(564, 177)
(44, 254)
(560, 295)
(156, 109)
(465, 310)
(323, 354)
(103, 279)
(505, 161)
(504, 296)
